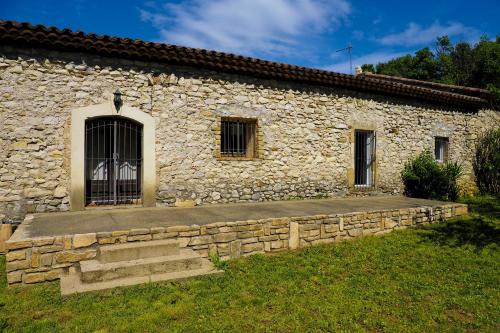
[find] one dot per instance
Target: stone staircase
(135, 263)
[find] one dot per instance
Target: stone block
(157, 230)
(17, 265)
(178, 228)
(74, 256)
(139, 238)
(112, 240)
(276, 244)
(331, 228)
(84, 240)
(269, 238)
(50, 248)
(35, 259)
(293, 241)
(189, 233)
(235, 248)
(252, 247)
(43, 241)
(212, 249)
(226, 229)
(461, 210)
(223, 249)
(14, 277)
(355, 232)
(16, 255)
(118, 233)
(67, 240)
(249, 240)
(258, 233)
(46, 259)
(245, 234)
(52, 275)
(19, 244)
(200, 240)
(139, 231)
(225, 237)
(34, 277)
(103, 234)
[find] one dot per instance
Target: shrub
(423, 177)
(486, 163)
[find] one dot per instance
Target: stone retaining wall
(33, 260)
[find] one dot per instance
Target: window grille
(441, 149)
(364, 159)
(238, 138)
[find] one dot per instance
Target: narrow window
(364, 154)
(238, 138)
(441, 149)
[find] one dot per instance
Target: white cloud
(371, 58)
(246, 26)
(415, 34)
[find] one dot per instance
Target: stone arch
(78, 118)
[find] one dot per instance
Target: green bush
(423, 177)
(486, 163)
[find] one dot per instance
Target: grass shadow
(473, 230)
(484, 205)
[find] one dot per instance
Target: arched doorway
(113, 161)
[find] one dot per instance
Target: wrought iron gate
(113, 161)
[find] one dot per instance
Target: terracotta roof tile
(25, 34)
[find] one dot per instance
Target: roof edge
(40, 36)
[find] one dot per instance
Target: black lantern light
(117, 100)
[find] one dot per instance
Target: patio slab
(102, 220)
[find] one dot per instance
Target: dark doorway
(113, 160)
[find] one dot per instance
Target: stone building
(88, 120)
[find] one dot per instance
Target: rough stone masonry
(305, 131)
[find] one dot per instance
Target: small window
(238, 138)
(441, 149)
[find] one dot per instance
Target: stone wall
(33, 260)
(306, 131)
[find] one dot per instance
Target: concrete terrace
(106, 220)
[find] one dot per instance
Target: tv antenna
(349, 50)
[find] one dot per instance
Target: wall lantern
(117, 100)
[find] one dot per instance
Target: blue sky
(302, 32)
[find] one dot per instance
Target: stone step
(94, 270)
(71, 283)
(139, 250)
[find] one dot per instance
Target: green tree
(460, 64)
(368, 68)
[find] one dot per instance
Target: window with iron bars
(238, 138)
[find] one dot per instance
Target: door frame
(362, 126)
(78, 118)
(111, 167)
(370, 159)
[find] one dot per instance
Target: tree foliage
(460, 64)
(486, 163)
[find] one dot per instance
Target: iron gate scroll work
(113, 161)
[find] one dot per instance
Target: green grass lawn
(440, 278)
